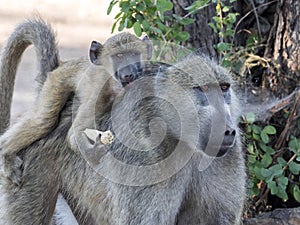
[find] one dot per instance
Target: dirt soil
(76, 22)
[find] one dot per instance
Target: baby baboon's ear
(95, 52)
(146, 39)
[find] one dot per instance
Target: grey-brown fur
(35, 32)
(80, 75)
(214, 195)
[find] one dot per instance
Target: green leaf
(256, 129)
(118, 15)
(226, 63)
(250, 117)
(141, 6)
(112, 3)
(231, 18)
(282, 194)
(137, 28)
(121, 25)
(266, 149)
(163, 5)
(296, 192)
(125, 6)
(197, 5)
(186, 21)
(250, 183)
(155, 30)
(250, 148)
(273, 187)
(264, 137)
(294, 144)
(256, 137)
(213, 26)
(283, 181)
(276, 170)
(251, 159)
(281, 161)
(126, 22)
(161, 26)
(130, 22)
(182, 36)
(266, 160)
(145, 24)
(294, 167)
(226, 9)
(266, 173)
(222, 47)
(252, 40)
(269, 130)
(114, 26)
(254, 191)
(257, 171)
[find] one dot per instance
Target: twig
(262, 113)
(285, 131)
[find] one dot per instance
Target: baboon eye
(200, 95)
(224, 87)
(204, 88)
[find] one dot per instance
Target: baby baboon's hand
(106, 137)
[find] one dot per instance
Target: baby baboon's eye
(224, 87)
(204, 88)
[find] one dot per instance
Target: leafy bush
(271, 170)
(150, 17)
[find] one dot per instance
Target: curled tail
(41, 35)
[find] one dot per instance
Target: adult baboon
(159, 170)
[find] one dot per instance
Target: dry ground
(76, 22)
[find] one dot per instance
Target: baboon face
(127, 66)
(214, 108)
(207, 94)
(122, 56)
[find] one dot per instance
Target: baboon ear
(149, 46)
(95, 52)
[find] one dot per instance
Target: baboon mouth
(124, 84)
(219, 151)
(224, 149)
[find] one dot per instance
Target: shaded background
(76, 23)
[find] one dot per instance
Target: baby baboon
(174, 180)
(120, 57)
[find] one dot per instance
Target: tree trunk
(202, 36)
(276, 22)
(284, 45)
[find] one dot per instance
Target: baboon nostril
(128, 77)
(227, 132)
